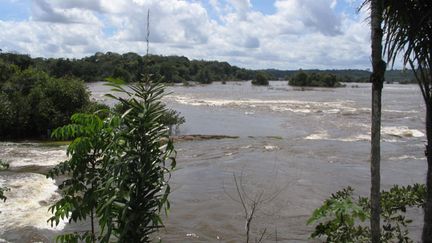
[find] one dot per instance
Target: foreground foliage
(119, 169)
(341, 218)
(170, 118)
(85, 170)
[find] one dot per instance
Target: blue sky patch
(15, 10)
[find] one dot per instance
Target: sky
(255, 34)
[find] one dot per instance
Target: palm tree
(408, 30)
(377, 79)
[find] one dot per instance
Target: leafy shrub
(341, 217)
(33, 103)
(86, 167)
(137, 187)
(169, 118)
(119, 169)
(314, 80)
(54, 101)
(340, 214)
(260, 79)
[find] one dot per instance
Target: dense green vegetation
(32, 103)
(170, 118)
(120, 169)
(341, 217)
(314, 80)
(347, 75)
(400, 76)
(260, 79)
(130, 66)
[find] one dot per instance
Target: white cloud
(43, 10)
(241, 5)
(300, 34)
(312, 14)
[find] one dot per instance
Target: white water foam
(402, 131)
(407, 157)
(324, 136)
(399, 111)
(279, 105)
(271, 147)
(27, 201)
(355, 138)
(20, 155)
(389, 134)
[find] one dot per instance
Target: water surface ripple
(300, 145)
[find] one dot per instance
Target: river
(295, 148)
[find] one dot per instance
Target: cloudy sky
(283, 34)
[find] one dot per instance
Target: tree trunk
(377, 79)
(427, 227)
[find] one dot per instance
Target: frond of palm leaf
(408, 32)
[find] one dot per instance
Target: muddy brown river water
(294, 146)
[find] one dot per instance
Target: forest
(175, 69)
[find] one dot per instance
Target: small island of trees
(314, 80)
(260, 79)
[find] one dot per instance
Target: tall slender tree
(377, 79)
(408, 28)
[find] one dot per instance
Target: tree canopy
(129, 67)
(314, 80)
(32, 103)
(260, 79)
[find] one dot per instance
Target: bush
(119, 169)
(340, 217)
(54, 101)
(7, 71)
(32, 103)
(260, 79)
(314, 80)
(169, 117)
(203, 76)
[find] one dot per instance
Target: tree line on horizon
(175, 69)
